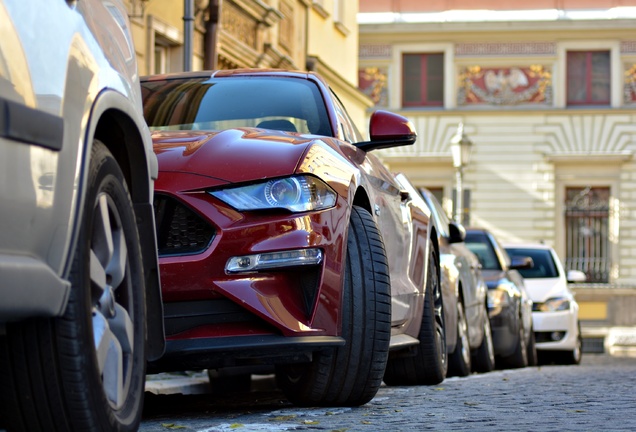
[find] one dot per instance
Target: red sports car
(284, 242)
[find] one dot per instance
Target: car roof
(225, 73)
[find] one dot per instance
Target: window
(587, 231)
(423, 79)
(588, 77)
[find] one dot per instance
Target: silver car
(468, 337)
(79, 282)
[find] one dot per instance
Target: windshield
(287, 104)
(544, 266)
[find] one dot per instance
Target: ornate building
(547, 97)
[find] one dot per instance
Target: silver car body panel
(52, 77)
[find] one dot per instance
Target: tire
(352, 374)
(531, 350)
(85, 371)
(571, 357)
(459, 362)
(429, 363)
(518, 359)
(484, 358)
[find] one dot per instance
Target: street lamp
(461, 148)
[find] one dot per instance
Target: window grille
(587, 231)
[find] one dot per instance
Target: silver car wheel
(112, 326)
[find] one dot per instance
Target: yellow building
(321, 36)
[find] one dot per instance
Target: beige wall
(332, 48)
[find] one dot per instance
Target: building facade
(320, 36)
(547, 96)
(548, 99)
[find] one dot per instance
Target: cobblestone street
(597, 395)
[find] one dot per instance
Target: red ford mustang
(284, 242)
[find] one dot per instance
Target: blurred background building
(546, 94)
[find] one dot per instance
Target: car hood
(233, 155)
(541, 289)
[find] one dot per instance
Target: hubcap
(462, 328)
(111, 290)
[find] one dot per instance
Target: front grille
(180, 231)
(186, 315)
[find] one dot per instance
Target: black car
(509, 306)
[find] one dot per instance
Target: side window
(346, 128)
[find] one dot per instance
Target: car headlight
(296, 194)
(553, 305)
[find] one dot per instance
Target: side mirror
(387, 130)
(520, 263)
(457, 232)
(576, 276)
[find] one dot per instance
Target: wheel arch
(124, 132)
(361, 199)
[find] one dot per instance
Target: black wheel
(352, 374)
(429, 363)
(572, 357)
(518, 359)
(533, 358)
(459, 362)
(85, 371)
(484, 358)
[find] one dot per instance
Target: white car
(80, 303)
(555, 312)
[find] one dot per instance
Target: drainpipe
(188, 32)
(211, 35)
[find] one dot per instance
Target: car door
(391, 215)
(31, 133)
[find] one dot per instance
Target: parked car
(555, 312)
(509, 305)
(470, 346)
(282, 238)
(78, 263)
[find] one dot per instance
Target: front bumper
(560, 325)
(215, 317)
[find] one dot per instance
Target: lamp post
(461, 148)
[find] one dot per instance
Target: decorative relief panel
(505, 86)
(240, 24)
(375, 51)
(505, 49)
(630, 84)
(628, 47)
(373, 82)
